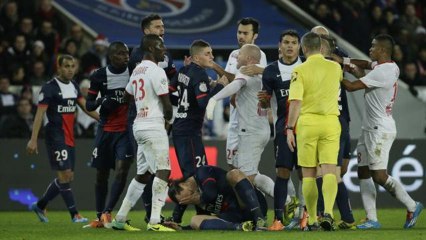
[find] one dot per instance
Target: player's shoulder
(273, 66)
(99, 73)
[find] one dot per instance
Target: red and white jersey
(251, 118)
(147, 83)
(380, 95)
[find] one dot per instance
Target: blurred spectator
(18, 76)
(26, 28)
(46, 13)
(47, 34)
(398, 56)
(390, 21)
(27, 93)
(378, 23)
(18, 53)
(83, 43)
(38, 75)
(8, 100)
(9, 18)
(19, 124)
(70, 48)
(95, 57)
(38, 54)
(409, 20)
(421, 61)
(3, 56)
(410, 75)
(85, 126)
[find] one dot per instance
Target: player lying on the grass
(228, 200)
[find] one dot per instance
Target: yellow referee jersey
(316, 83)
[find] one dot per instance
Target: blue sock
(217, 224)
(343, 203)
(101, 191)
(178, 212)
(68, 196)
(116, 190)
(280, 195)
(248, 196)
(320, 204)
(51, 192)
(147, 197)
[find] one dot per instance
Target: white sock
(265, 184)
(368, 195)
(397, 190)
(291, 191)
(301, 200)
(159, 194)
(134, 192)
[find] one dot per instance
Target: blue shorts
(345, 142)
(284, 158)
(190, 153)
(109, 147)
(61, 156)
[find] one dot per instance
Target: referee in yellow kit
(314, 91)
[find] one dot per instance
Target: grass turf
(25, 225)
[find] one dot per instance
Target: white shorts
(153, 150)
(232, 139)
(250, 151)
(373, 149)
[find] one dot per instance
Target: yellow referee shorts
(318, 140)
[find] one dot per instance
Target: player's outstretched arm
(353, 86)
(82, 103)
(38, 120)
(251, 70)
(219, 70)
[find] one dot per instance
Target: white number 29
(61, 155)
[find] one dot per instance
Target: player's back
(192, 83)
(61, 99)
(320, 79)
(252, 119)
(147, 83)
(215, 189)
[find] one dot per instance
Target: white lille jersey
(252, 120)
(148, 81)
(382, 87)
(232, 138)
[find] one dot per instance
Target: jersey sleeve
(268, 80)
(45, 95)
(173, 83)
(129, 87)
(376, 78)
(160, 82)
(296, 86)
(263, 60)
(95, 83)
(201, 84)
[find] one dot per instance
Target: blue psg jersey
(276, 80)
(216, 193)
(61, 101)
(107, 83)
(192, 84)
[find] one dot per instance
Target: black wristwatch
(289, 128)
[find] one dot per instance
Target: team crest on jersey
(180, 16)
(203, 87)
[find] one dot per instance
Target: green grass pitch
(25, 226)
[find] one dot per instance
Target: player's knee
(143, 178)
(163, 174)
(363, 172)
(283, 172)
(196, 222)
(234, 176)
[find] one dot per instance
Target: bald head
(252, 51)
(320, 30)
